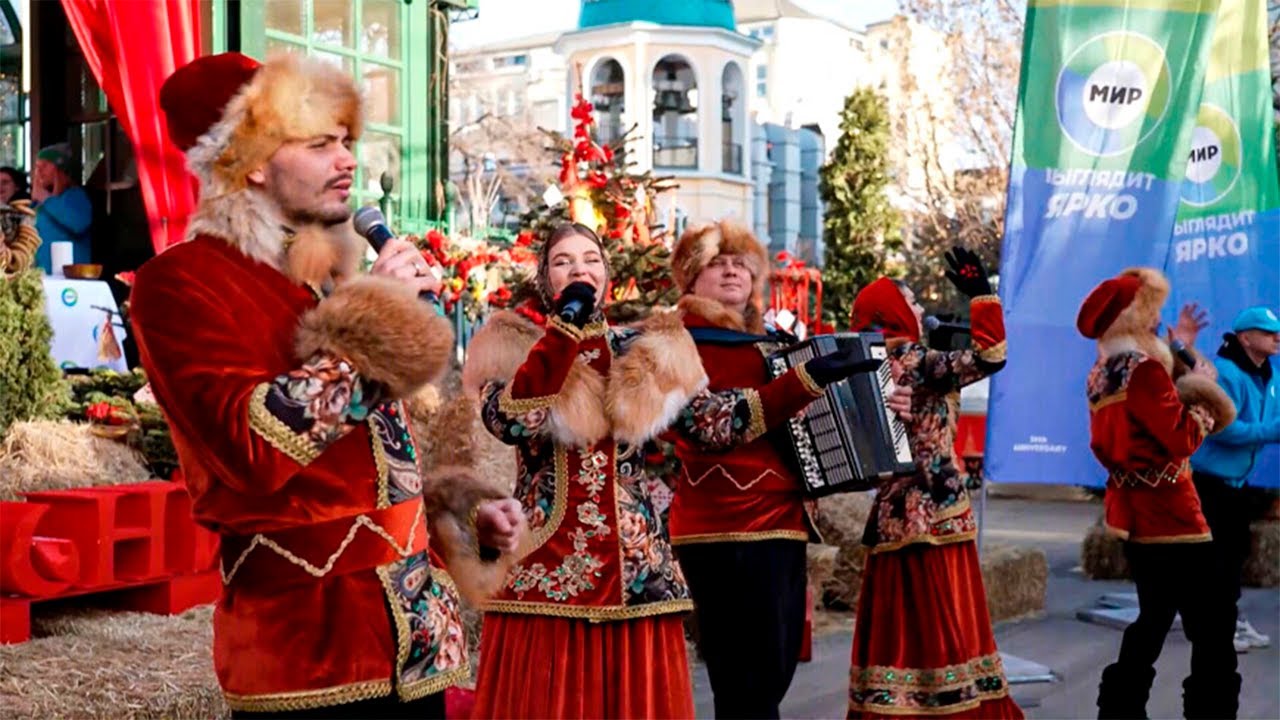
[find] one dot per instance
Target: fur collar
(1147, 344)
(247, 220)
(647, 385)
(720, 316)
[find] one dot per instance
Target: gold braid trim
(741, 537)
(925, 540)
(982, 299)
(951, 677)
(436, 683)
(275, 432)
(398, 618)
(1109, 400)
(996, 353)
(1172, 539)
(380, 464)
(310, 699)
(591, 613)
(807, 380)
(559, 503)
(572, 331)
(519, 406)
(1152, 477)
(757, 427)
(316, 571)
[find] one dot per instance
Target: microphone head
(366, 218)
(932, 323)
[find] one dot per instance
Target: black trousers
(430, 707)
(1229, 511)
(1172, 579)
(749, 600)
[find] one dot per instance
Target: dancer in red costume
(1147, 416)
(922, 640)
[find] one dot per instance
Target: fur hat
(230, 114)
(701, 244)
(1127, 304)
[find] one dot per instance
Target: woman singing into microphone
(922, 640)
(589, 623)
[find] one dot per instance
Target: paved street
(1074, 650)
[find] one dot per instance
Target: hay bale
(100, 664)
(841, 519)
(61, 455)
(1102, 555)
(1016, 579)
(1262, 569)
(821, 561)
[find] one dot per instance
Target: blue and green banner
(1105, 122)
(1225, 249)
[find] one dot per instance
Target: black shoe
(1123, 693)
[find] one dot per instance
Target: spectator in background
(13, 185)
(1222, 466)
(63, 210)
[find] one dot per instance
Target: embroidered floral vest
(597, 513)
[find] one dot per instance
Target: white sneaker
(1255, 639)
(1242, 645)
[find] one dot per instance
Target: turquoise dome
(695, 13)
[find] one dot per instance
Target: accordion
(847, 439)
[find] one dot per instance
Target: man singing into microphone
(281, 373)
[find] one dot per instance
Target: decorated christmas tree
(596, 187)
(599, 188)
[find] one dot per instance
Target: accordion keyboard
(897, 428)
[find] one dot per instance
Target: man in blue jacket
(1223, 464)
(64, 212)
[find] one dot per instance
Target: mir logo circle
(1213, 165)
(1112, 92)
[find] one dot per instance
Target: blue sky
(505, 19)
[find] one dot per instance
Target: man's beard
(335, 215)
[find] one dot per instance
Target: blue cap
(1256, 318)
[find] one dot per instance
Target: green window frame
(14, 110)
(396, 132)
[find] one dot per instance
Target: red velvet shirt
(284, 450)
(746, 492)
(1144, 435)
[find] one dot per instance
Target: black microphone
(932, 323)
(370, 223)
(1183, 354)
(571, 309)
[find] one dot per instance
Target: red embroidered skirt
(922, 641)
(533, 666)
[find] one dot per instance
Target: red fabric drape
(132, 47)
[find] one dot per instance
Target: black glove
(967, 273)
(576, 304)
(837, 366)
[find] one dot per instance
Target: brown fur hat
(289, 97)
(699, 245)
